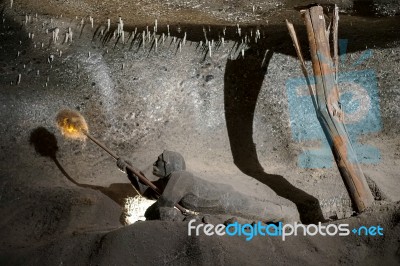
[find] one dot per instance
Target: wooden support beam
(326, 102)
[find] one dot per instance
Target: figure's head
(168, 162)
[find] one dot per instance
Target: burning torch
(73, 125)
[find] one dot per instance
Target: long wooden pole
(328, 109)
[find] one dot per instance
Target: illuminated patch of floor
(135, 208)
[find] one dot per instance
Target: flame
(72, 124)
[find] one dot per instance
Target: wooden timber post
(325, 97)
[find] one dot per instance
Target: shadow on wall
(376, 8)
(243, 80)
(45, 143)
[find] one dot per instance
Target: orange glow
(72, 124)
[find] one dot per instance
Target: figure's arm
(178, 186)
(140, 187)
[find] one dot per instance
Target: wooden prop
(325, 96)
